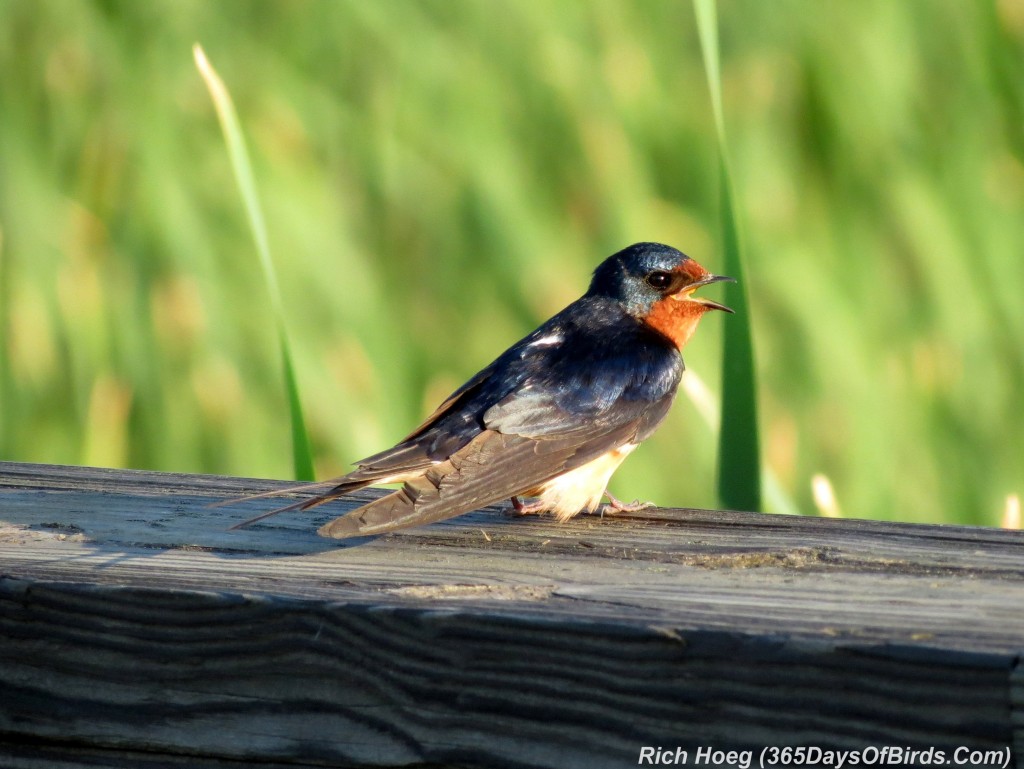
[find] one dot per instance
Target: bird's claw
(521, 508)
(616, 505)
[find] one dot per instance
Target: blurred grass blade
(825, 496)
(739, 461)
(301, 454)
(776, 498)
(739, 465)
(6, 381)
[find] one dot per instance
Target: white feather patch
(546, 341)
(571, 492)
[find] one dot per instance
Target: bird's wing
(531, 436)
(493, 466)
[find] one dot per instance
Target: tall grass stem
(301, 453)
(739, 464)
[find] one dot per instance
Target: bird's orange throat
(675, 318)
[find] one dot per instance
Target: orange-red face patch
(675, 318)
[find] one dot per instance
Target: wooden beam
(135, 630)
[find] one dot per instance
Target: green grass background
(439, 177)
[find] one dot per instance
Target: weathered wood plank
(132, 622)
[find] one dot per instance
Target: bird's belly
(571, 492)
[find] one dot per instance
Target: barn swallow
(553, 416)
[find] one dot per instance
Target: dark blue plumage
(554, 414)
(599, 357)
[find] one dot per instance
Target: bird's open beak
(687, 293)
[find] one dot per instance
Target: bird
(552, 417)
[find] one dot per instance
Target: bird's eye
(659, 280)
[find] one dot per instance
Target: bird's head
(656, 284)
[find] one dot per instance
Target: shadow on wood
(136, 631)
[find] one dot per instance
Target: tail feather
(338, 490)
(275, 493)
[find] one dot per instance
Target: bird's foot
(522, 508)
(616, 505)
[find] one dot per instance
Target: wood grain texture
(136, 631)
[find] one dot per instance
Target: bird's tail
(334, 491)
